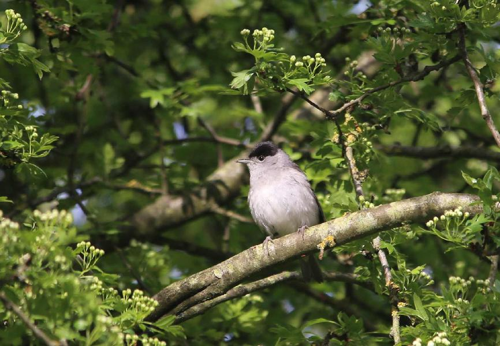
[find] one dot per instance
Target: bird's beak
(244, 161)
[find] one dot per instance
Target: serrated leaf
(420, 307)
(301, 84)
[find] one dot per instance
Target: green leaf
(4, 199)
(302, 85)
(241, 80)
(317, 321)
(420, 308)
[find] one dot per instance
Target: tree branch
(440, 152)
(493, 271)
(410, 78)
(16, 310)
(353, 170)
(395, 333)
(351, 163)
(485, 113)
(242, 290)
(217, 280)
(231, 214)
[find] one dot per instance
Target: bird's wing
(321, 214)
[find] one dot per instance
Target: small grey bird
(281, 199)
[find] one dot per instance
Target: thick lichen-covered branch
(217, 280)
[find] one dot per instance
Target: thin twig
(395, 332)
(485, 113)
(244, 289)
(440, 152)
(226, 237)
(231, 214)
(219, 139)
(410, 78)
(196, 250)
(84, 90)
(257, 105)
(493, 271)
(161, 147)
(339, 305)
(351, 163)
(286, 102)
(215, 136)
(16, 310)
(135, 273)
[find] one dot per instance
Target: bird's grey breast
(281, 201)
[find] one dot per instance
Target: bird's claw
(265, 244)
(302, 230)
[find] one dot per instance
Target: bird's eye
(261, 158)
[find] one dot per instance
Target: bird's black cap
(264, 149)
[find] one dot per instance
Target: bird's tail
(310, 269)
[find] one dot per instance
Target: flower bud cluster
(132, 339)
(138, 301)
(106, 320)
(425, 275)
(309, 61)
(483, 282)
(439, 339)
(391, 195)
(96, 284)
(14, 22)
(32, 132)
(364, 203)
(448, 215)
(264, 35)
(9, 228)
(397, 192)
(88, 248)
(6, 223)
(394, 31)
(454, 280)
(62, 216)
(6, 97)
(135, 243)
(417, 342)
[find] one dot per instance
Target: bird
(281, 199)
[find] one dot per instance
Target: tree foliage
(120, 126)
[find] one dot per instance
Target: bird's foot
(302, 230)
(266, 242)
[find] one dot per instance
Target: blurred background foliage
(133, 101)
